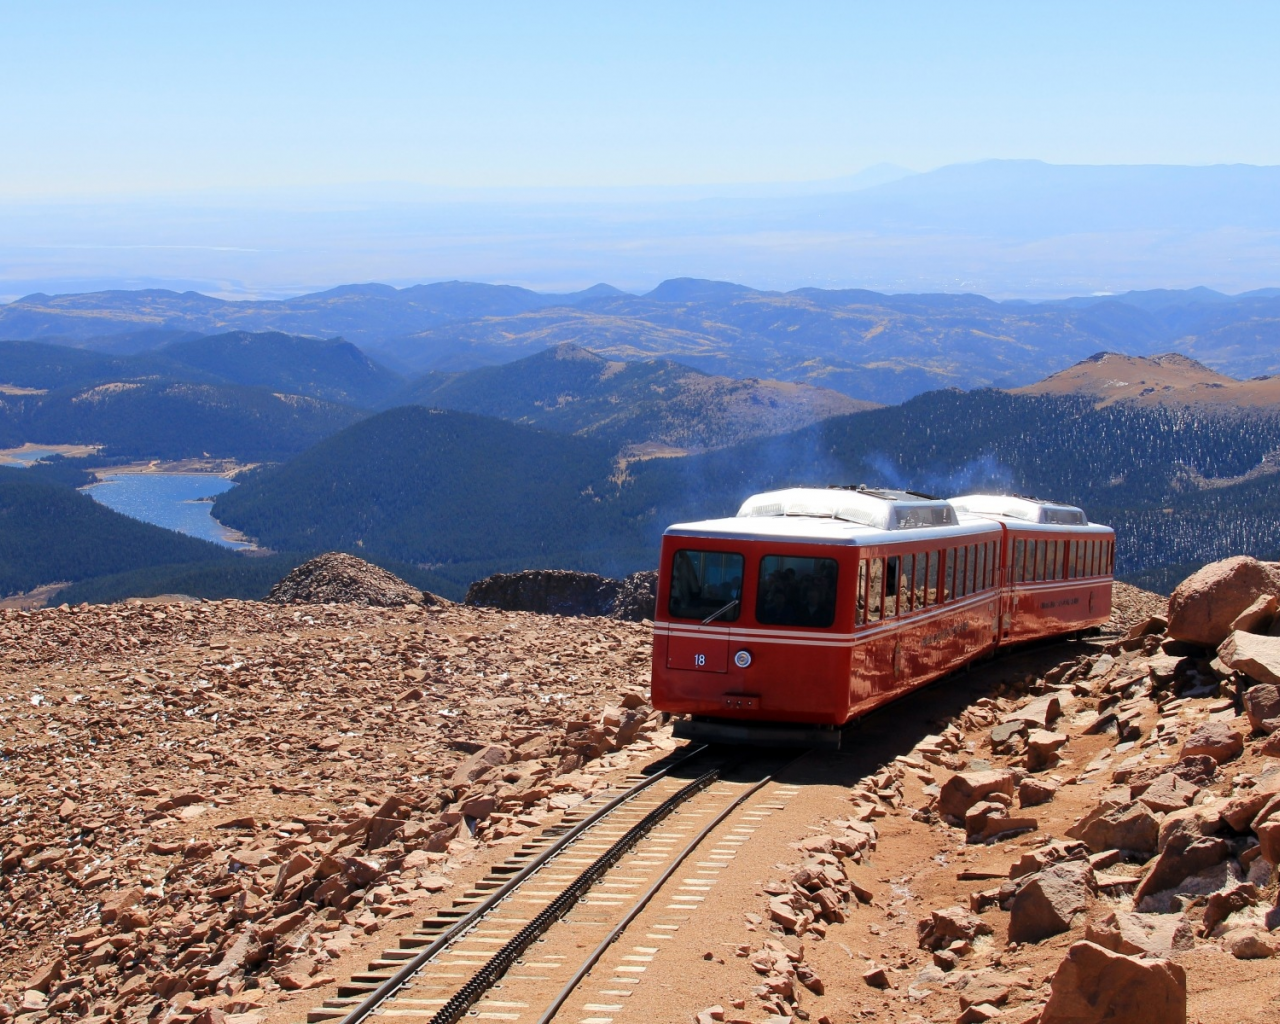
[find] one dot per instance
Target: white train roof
(1015, 506)
(838, 516)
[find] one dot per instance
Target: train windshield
(704, 583)
(796, 591)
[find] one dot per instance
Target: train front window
(704, 583)
(796, 591)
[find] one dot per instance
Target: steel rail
(392, 985)
(501, 961)
(600, 950)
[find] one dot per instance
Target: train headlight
(742, 659)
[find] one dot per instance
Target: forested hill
(456, 490)
(571, 390)
(51, 533)
(867, 345)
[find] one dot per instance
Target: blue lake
(170, 500)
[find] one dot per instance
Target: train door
(705, 599)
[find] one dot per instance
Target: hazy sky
(137, 97)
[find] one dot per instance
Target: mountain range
(998, 227)
(869, 346)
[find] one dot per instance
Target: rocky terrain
(216, 811)
(1097, 842)
(205, 804)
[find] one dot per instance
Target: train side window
(1040, 546)
(991, 565)
(932, 582)
(1071, 559)
(922, 567)
(704, 582)
(1091, 564)
(949, 576)
(981, 567)
(860, 601)
(797, 591)
(875, 589)
(1019, 555)
(891, 573)
(1111, 556)
(906, 586)
(1052, 571)
(971, 579)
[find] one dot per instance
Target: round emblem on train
(742, 659)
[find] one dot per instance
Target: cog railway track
(568, 925)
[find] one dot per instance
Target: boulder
(1180, 859)
(1050, 901)
(1250, 944)
(1130, 826)
(1216, 739)
(1141, 934)
(1093, 985)
(1257, 657)
(962, 791)
(1258, 616)
(1034, 792)
(1262, 704)
(1204, 605)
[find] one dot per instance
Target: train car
(1058, 565)
(813, 606)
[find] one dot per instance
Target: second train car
(813, 606)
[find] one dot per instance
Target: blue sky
(142, 98)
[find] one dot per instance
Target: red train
(812, 607)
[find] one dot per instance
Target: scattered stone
(1257, 657)
(1093, 985)
(1130, 826)
(1137, 934)
(944, 927)
(1042, 749)
(1180, 859)
(1216, 739)
(962, 791)
(1250, 944)
(1034, 792)
(1168, 793)
(1050, 901)
(877, 978)
(1262, 704)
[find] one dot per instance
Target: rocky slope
(211, 801)
(221, 809)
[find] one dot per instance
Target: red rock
(1180, 859)
(1124, 827)
(1141, 934)
(1203, 606)
(1050, 901)
(1096, 986)
(877, 978)
(1257, 617)
(962, 791)
(1216, 739)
